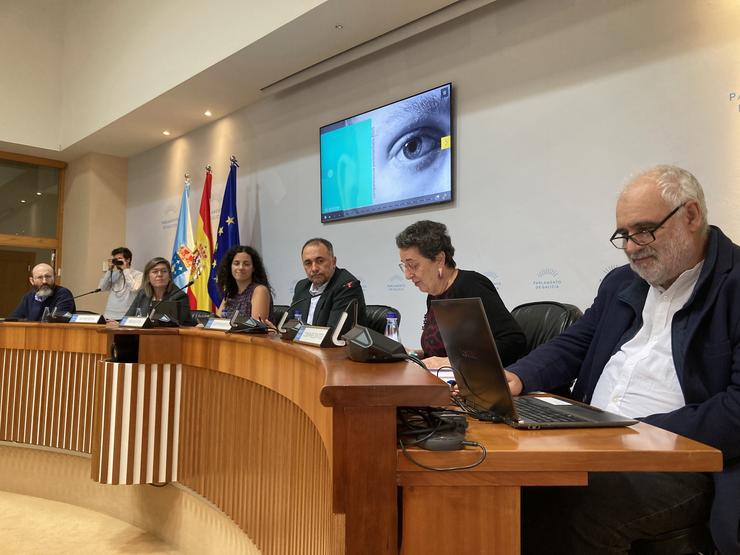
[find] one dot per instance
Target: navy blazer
(342, 288)
(705, 336)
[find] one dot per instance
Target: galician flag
(227, 233)
(203, 254)
(182, 249)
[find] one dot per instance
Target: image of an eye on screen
(394, 157)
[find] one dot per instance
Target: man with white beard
(661, 343)
(45, 294)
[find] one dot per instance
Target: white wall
(120, 55)
(30, 80)
(94, 223)
(71, 67)
(556, 104)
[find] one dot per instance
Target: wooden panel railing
(47, 384)
(256, 455)
(137, 420)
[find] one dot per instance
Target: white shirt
(640, 379)
(123, 286)
(316, 291)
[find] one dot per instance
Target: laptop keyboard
(537, 411)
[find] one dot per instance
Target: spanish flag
(203, 252)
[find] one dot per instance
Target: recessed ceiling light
(23, 201)
(207, 113)
(38, 193)
(165, 132)
(339, 26)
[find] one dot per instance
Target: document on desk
(444, 374)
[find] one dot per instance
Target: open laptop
(480, 376)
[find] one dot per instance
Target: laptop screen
(473, 355)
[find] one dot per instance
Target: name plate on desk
(318, 336)
(87, 319)
(223, 324)
(136, 322)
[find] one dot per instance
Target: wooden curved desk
(296, 444)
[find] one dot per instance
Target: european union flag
(227, 233)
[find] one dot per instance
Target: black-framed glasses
(644, 236)
(409, 266)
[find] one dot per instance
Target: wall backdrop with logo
(556, 104)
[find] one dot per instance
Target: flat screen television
(394, 157)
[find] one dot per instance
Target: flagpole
(182, 249)
(203, 255)
(226, 235)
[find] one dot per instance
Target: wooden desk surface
(484, 502)
(641, 447)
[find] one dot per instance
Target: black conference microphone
(169, 295)
(247, 325)
(367, 345)
(166, 320)
(88, 293)
(342, 319)
(288, 329)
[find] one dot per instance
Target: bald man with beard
(45, 294)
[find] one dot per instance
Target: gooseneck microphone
(342, 319)
(286, 314)
(88, 293)
(169, 296)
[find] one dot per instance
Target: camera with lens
(116, 262)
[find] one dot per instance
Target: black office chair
(376, 315)
(696, 540)
(541, 321)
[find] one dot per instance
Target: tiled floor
(30, 525)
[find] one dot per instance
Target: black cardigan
(509, 337)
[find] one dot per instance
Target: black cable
(425, 422)
(413, 357)
(484, 416)
(438, 370)
(482, 458)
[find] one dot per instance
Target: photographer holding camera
(122, 281)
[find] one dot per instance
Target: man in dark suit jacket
(327, 291)
(661, 342)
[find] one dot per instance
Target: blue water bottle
(391, 326)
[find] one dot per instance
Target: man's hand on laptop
(515, 384)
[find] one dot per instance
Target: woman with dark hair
(426, 253)
(157, 286)
(242, 279)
